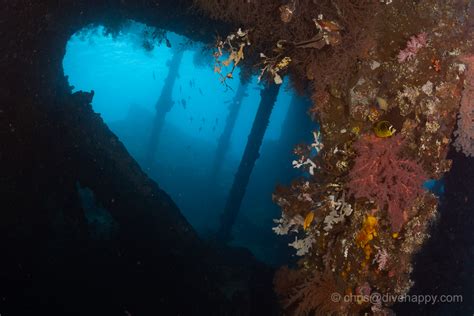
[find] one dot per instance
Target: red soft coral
(380, 174)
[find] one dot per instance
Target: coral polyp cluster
(367, 234)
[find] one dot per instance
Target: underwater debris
(274, 67)
(233, 45)
(330, 31)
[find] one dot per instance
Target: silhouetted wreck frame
(52, 140)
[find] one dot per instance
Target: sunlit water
(128, 79)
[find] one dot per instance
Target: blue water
(435, 186)
(127, 80)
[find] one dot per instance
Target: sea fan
(311, 296)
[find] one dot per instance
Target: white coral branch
(286, 224)
(303, 245)
(308, 162)
(339, 210)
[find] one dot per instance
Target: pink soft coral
(381, 175)
(413, 46)
(465, 132)
(381, 258)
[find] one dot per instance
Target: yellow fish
(384, 129)
(382, 103)
(308, 220)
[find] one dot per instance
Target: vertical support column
(224, 139)
(163, 106)
(250, 156)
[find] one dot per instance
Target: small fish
(200, 91)
(382, 103)
(154, 78)
(191, 119)
(168, 43)
(183, 102)
(200, 129)
(203, 120)
(384, 129)
(308, 220)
